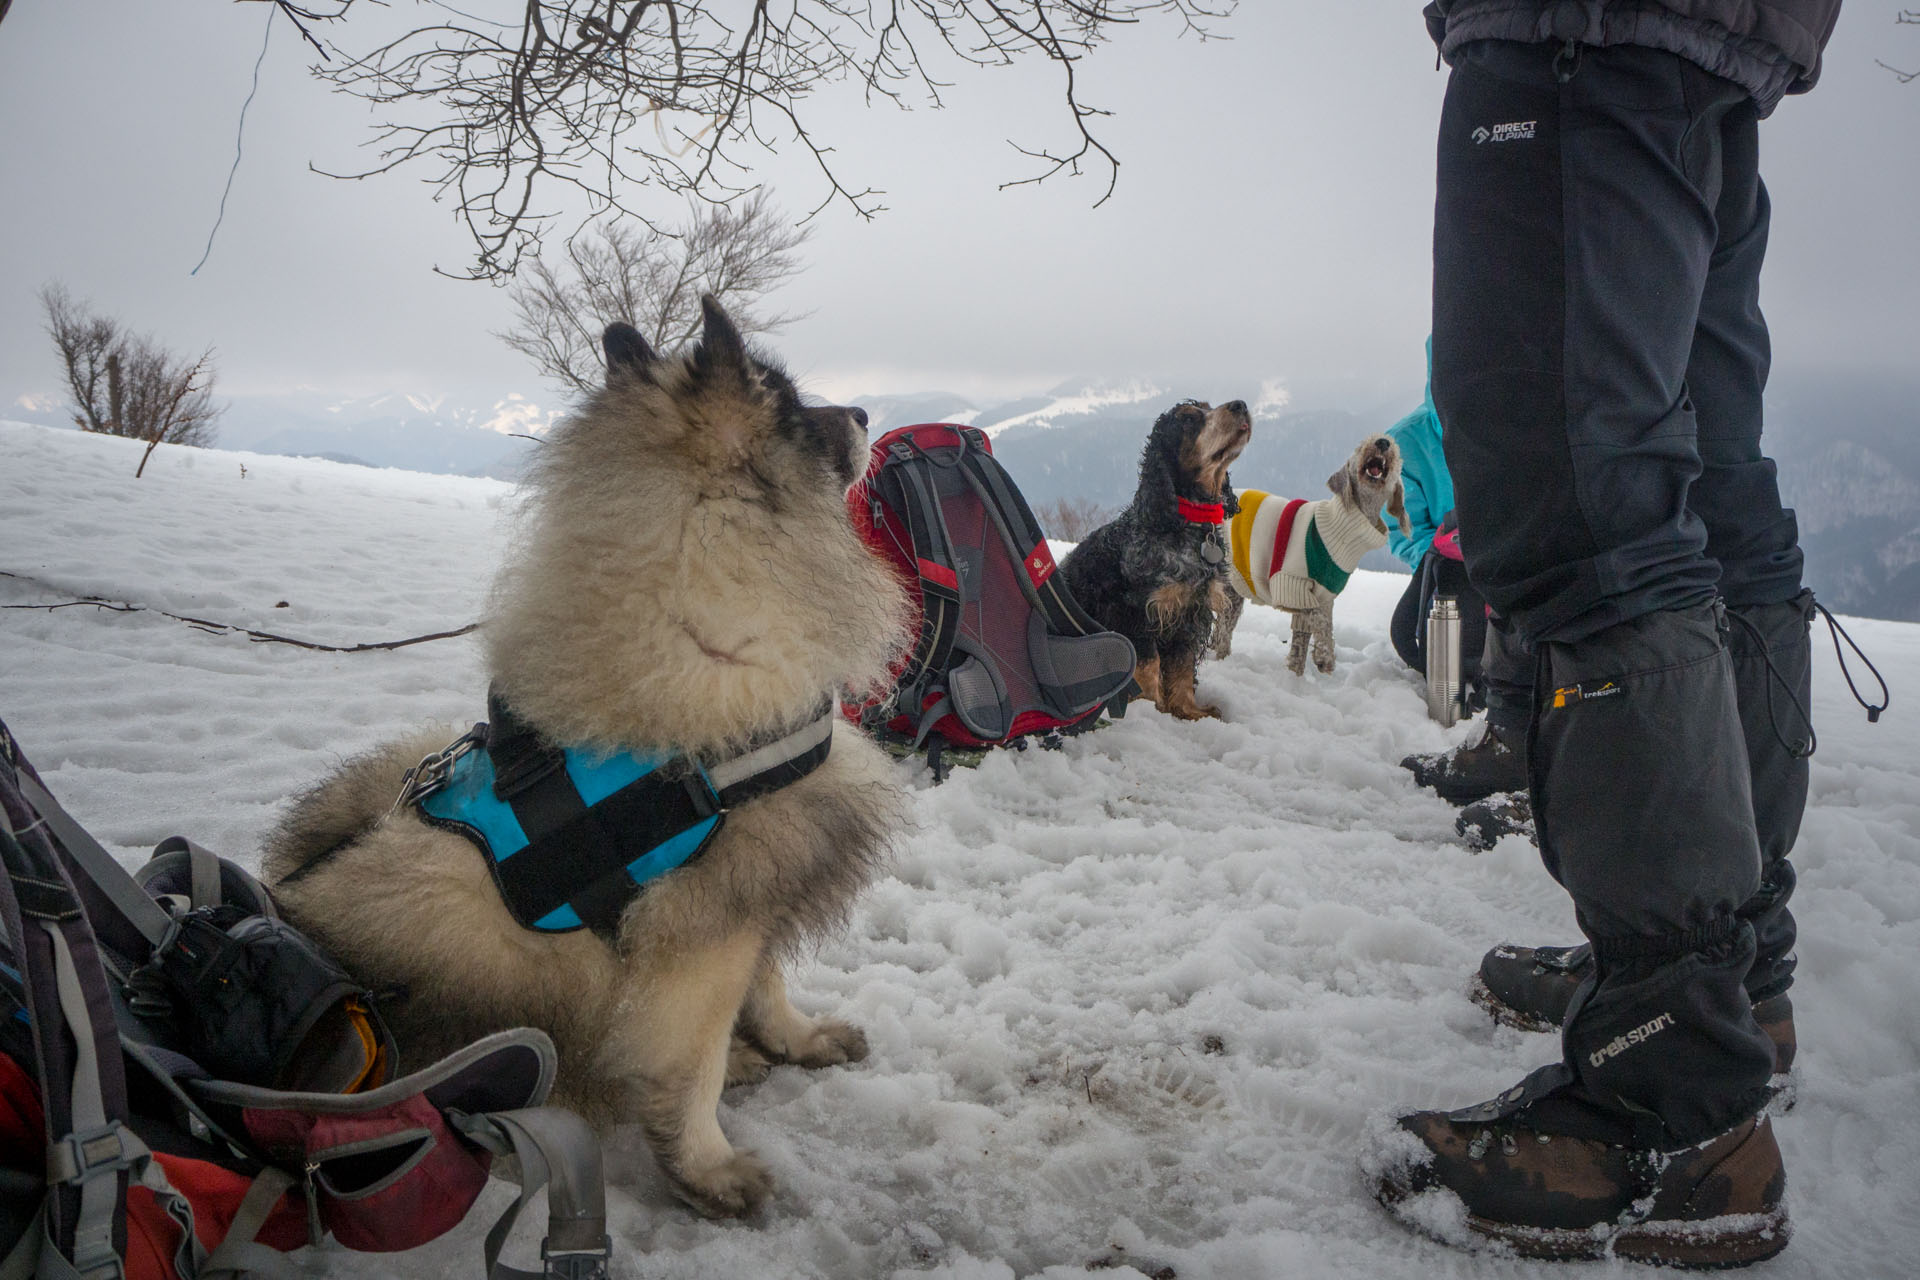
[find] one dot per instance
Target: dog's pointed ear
(627, 352)
(1397, 508)
(721, 346)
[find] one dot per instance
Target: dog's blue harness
(572, 836)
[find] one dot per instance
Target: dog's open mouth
(1375, 468)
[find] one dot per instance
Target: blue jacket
(1423, 470)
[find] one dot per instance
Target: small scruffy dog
(688, 585)
(1157, 572)
(1297, 555)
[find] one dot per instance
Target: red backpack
(189, 1088)
(1003, 649)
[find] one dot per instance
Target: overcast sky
(1273, 218)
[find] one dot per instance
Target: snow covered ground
(1130, 1001)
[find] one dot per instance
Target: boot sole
(1711, 1244)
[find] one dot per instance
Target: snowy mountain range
(1848, 445)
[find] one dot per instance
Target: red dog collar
(1202, 512)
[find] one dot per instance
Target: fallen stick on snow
(224, 628)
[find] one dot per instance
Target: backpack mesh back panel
(1003, 649)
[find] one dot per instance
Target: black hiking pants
(1599, 357)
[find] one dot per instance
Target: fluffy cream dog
(1297, 555)
(687, 583)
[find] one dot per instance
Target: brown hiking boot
(1717, 1204)
(1531, 988)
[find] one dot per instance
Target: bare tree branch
(605, 99)
(1906, 17)
(625, 271)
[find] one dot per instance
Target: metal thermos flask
(1443, 660)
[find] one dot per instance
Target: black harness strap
(586, 856)
(577, 855)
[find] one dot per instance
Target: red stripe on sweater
(1282, 534)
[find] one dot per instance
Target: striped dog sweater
(1296, 554)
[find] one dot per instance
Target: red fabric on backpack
(23, 1124)
(416, 1181)
(215, 1193)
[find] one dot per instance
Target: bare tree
(614, 98)
(126, 384)
(1071, 519)
(625, 271)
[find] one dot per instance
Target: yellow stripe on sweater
(1242, 531)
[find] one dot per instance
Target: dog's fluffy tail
(344, 806)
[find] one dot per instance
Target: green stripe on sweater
(1320, 563)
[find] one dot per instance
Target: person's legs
(1574, 227)
(1754, 540)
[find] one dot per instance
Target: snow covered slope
(1138, 994)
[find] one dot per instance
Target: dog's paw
(1324, 668)
(746, 1064)
(831, 1043)
(733, 1189)
(1297, 664)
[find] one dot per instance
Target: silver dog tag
(1211, 552)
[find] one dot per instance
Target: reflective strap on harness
(765, 768)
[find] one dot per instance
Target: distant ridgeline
(1848, 445)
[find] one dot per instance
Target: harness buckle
(434, 771)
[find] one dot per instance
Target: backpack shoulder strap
(903, 483)
(90, 1150)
